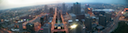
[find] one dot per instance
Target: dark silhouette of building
(108, 17)
(79, 28)
(59, 8)
(80, 17)
(47, 28)
(30, 27)
(43, 20)
(102, 20)
(63, 9)
(71, 10)
(51, 12)
(88, 22)
(46, 8)
(77, 8)
(96, 13)
(86, 8)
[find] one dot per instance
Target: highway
(35, 21)
(113, 25)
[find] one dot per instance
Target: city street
(68, 16)
(113, 25)
(54, 22)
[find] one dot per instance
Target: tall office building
(47, 28)
(63, 9)
(102, 20)
(46, 8)
(58, 8)
(42, 20)
(30, 27)
(71, 10)
(51, 11)
(77, 8)
(108, 17)
(88, 22)
(20, 27)
(87, 8)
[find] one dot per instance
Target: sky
(4, 4)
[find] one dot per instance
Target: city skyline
(74, 17)
(7, 4)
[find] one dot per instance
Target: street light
(122, 12)
(73, 26)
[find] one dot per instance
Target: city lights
(63, 16)
(74, 26)
(122, 12)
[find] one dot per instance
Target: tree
(122, 28)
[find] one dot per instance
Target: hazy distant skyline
(20, 3)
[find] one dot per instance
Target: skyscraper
(42, 20)
(63, 8)
(51, 11)
(88, 22)
(79, 28)
(47, 28)
(87, 8)
(20, 27)
(102, 20)
(46, 8)
(108, 17)
(77, 8)
(71, 10)
(30, 27)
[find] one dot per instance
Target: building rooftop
(100, 27)
(93, 17)
(46, 25)
(94, 25)
(69, 20)
(77, 19)
(87, 15)
(71, 14)
(76, 3)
